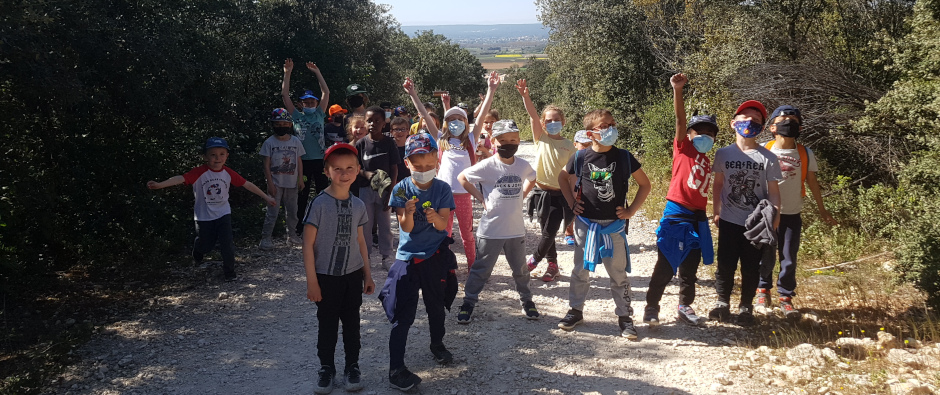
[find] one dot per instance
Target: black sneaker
(532, 313)
(441, 355)
(687, 315)
(571, 320)
(721, 313)
(231, 278)
(745, 316)
(651, 315)
(402, 379)
(465, 314)
(353, 378)
(325, 380)
(627, 329)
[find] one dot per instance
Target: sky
(467, 12)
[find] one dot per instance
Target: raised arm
(285, 86)
(324, 90)
(175, 180)
(445, 100)
(492, 82)
(678, 81)
(409, 86)
(537, 129)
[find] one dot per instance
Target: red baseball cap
(755, 105)
(339, 146)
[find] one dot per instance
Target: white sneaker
(294, 239)
(266, 244)
(387, 262)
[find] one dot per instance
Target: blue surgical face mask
(310, 110)
(456, 127)
(609, 136)
(703, 143)
(553, 128)
(748, 129)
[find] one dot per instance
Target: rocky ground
(258, 335)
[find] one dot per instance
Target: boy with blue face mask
(594, 185)
(683, 236)
(745, 174)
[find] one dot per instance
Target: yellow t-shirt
(553, 156)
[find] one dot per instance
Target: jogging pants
(662, 274)
(488, 252)
(616, 268)
(286, 197)
(342, 300)
(464, 213)
(788, 244)
(734, 247)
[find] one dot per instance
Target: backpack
(804, 163)
(624, 157)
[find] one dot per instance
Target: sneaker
(266, 244)
(441, 355)
(387, 262)
(745, 316)
(687, 315)
(353, 378)
(651, 315)
(571, 320)
(465, 314)
(761, 306)
(325, 380)
(532, 313)
(627, 329)
(721, 313)
(402, 379)
(551, 273)
(531, 263)
(569, 240)
(231, 278)
(786, 305)
(294, 239)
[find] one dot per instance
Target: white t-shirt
(501, 184)
(791, 186)
(211, 191)
(284, 156)
(453, 161)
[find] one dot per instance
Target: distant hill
(468, 34)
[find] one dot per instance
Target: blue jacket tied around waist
(598, 244)
(682, 230)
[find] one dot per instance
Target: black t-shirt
(378, 155)
(403, 170)
(333, 134)
(604, 178)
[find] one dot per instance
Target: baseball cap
(706, 121)
(280, 114)
(337, 109)
(309, 95)
(752, 104)
(504, 126)
(455, 110)
(339, 146)
(787, 110)
(399, 110)
(355, 89)
(582, 137)
(430, 105)
(420, 143)
(215, 142)
(386, 105)
(463, 106)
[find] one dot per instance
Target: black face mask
(355, 101)
(507, 151)
(282, 130)
(788, 128)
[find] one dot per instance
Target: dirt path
(258, 336)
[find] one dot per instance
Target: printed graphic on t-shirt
(700, 175)
(789, 166)
(742, 193)
(212, 188)
(304, 127)
(344, 226)
(509, 185)
(601, 178)
(283, 160)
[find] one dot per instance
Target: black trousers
(732, 248)
(208, 233)
(342, 300)
(662, 274)
(313, 178)
(553, 211)
(429, 277)
(788, 245)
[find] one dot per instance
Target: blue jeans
(218, 230)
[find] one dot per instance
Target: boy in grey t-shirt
(745, 174)
(337, 266)
(283, 171)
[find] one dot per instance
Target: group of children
(430, 176)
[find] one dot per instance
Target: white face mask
(424, 177)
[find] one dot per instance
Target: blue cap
(786, 110)
(215, 142)
(309, 95)
(706, 121)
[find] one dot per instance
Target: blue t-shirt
(309, 129)
(423, 240)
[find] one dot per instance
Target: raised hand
(410, 206)
(288, 66)
(678, 81)
(409, 86)
(522, 87)
(313, 67)
(493, 80)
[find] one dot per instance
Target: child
(337, 266)
(423, 261)
(795, 160)
(399, 128)
(500, 183)
(581, 141)
(356, 129)
(379, 157)
(595, 185)
(484, 146)
(457, 147)
(745, 174)
(417, 127)
(211, 183)
(333, 130)
(284, 173)
(553, 153)
(308, 124)
(683, 236)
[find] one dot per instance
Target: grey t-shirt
(284, 158)
(336, 249)
(745, 176)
